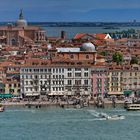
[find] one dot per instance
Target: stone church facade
(21, 33)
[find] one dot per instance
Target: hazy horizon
(71, 11)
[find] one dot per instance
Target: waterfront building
(55, 78)
(115, 80)
(65, 72)
(99, 81)
(21, 33)
(131, 80)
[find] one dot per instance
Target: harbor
(69, 123)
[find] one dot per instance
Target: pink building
(99, 81)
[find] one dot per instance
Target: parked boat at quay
(1, 108)
(133, 107)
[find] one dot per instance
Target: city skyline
(73, 10)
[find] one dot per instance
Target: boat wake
(94, 113)
(106, 116)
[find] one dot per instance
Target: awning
(115, 93)
(6, 95)
(127, 92)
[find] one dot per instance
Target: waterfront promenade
(107, 103)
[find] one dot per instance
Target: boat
(133, 107)
(2, 108)
(114, 117)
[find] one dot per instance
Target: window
(62, 70)
(77, 74)
(71, 56)
(25, 82)
(69, 74)
(49, 70)
(26, 89)
(77, 82)
(31, 82)
(14, 43)
(86, 82)
(56, 70)
(86, 74)
(69, 69)
(87, 56)
(69, 82)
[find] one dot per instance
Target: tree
(117, 57)
(134, 60)
(104, 53)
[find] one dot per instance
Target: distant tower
(21, 22)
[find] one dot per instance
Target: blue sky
(71, 10)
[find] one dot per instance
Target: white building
(46, 80)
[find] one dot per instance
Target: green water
(67, 124)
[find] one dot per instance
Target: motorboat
(114, 117)
(2, 108)
(133, 107)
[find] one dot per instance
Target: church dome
(88, 47)
(21, 22)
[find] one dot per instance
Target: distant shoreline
(80, 24)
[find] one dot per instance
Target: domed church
(21, 33)
(21, 22)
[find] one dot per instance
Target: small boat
(114, 117)
(2, 108)
(133, 107)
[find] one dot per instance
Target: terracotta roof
(79, 35)
(100, 36)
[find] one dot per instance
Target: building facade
(42, 81)
(21, 33)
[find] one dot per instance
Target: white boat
(114, 117)
(133, 107)
(1, 108)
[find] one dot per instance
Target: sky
(71, 10)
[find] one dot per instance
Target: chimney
(63, 34)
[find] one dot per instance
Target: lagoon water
(72, 31)
(67, 124)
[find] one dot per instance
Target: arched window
(13, 42)
(87, 56)
(72, 56)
